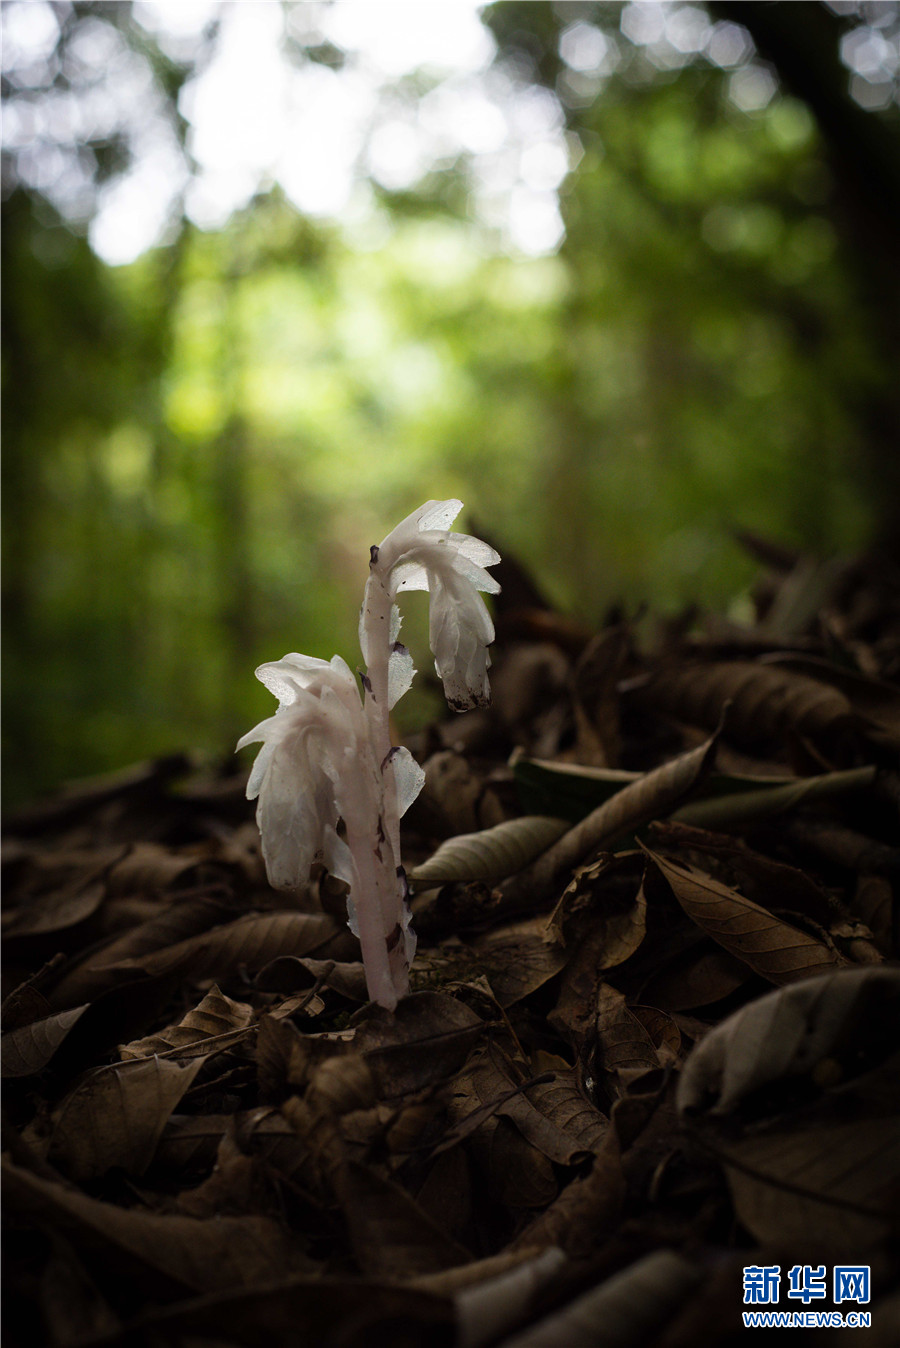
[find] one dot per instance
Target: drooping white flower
(320, 718)
(422, 554)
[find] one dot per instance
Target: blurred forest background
(624, 278)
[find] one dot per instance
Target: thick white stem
(377, 607)
(378, 939)
(391, 888)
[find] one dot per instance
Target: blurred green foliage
(200, 446)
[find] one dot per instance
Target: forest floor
(647, 1076)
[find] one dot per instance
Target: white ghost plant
(327, 758)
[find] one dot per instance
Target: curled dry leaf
(490, 855)
(495, 1305)
(766, 702)
(622, 1312)
(622, 1045)
(739, 806)
(830, 1169)
(216, 1015)
(252, 941)
(775, 949)
(874, 699)
(651, 796)
(574, 1120)
(579, 1220)
(786, 1034)
(589, 917)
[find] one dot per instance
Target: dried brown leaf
(875, 699)
(425, 1041)
(580, 1220)
(623, 1044)
(392, 1236)
(698, 977)
(116, 1115)
(624, 1311)
(552, 1116)
(502, 1300)
(518, 959)
(787, 1032)
(28, 1049)
(362, 1311)
(835, 1183)
(252, 941)
(587, 915)
(290, 973)
(149, 867)
(573, 1119)
(97, 970)
(55, 912)
(215, 1015)
(774, 884)
(775, 949)
(520, 1175)
(221, 1253)
(766, 702)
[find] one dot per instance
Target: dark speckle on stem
(373, 555)
(393, 940)
(367, 684)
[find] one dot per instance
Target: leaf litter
(652, 1036)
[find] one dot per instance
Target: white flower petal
(401, 672)
(408, 576)
(474, 574)
(287, 677)
(475, 550)
(436, 515)
(295, 805)
(409, 776)
(460, 630)
(338, 860)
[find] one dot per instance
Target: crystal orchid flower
(331, 787)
